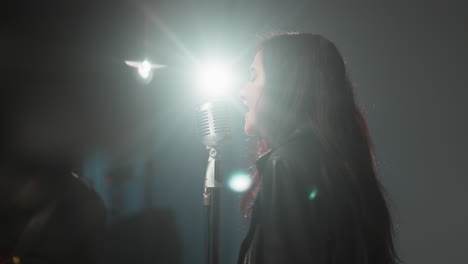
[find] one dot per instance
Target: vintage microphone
(213, 123)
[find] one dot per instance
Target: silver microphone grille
(213, 122)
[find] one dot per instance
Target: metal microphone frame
(211, 200)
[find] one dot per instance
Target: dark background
(67, 97)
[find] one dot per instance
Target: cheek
(253, 95)
(256, 92)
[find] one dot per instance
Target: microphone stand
(211, 200)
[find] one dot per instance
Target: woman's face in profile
(251, 93)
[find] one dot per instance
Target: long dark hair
(306, 86)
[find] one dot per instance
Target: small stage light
(145, 68)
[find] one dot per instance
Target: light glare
(144, 69)
(240, 182)
(215, 79)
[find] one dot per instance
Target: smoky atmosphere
(116, 146)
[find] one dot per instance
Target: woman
(316, 197)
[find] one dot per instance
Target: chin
(248, 132)
(249, 129)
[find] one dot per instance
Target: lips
(246, 106)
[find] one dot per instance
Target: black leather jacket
(288, 222)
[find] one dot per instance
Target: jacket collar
(260, 162)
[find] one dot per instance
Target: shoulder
(299, 153)
(70, 224)
(78, 198)
(291, 179)
(77, 189)
(294, 166)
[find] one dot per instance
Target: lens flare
(144, 69)
(313, 193)
(239, 182)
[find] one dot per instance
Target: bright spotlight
(240, 182)
(215, 79)
(144, 69)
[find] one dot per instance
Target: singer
(315, 198)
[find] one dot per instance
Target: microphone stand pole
(211, 200)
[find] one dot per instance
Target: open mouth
(246, 106)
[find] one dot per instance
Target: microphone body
(213, 122)
(213, 125)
